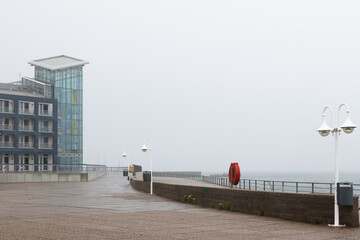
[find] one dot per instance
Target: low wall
(311, 208)
(49, 177)
(91, 176)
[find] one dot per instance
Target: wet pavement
(111, 193)
(109, 208)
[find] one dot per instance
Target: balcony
(6, 144)
(26, 111)
(45, 167)
(6, 109)
(45, 129)
(45, 113)
(45, 146)
(26, 145)
(24, 167)
(6, 127)
(26, 128)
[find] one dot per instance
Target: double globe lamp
(144, 149)
(324, 130)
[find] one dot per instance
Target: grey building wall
(16, 132)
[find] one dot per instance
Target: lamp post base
(333, 225)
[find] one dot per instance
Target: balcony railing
(45, 146)
(45, 113)
(6, 109)
(6, 144)
(61, 168)
(45, 129)
(26, 144)
(45, 167)
(26, 111)
(6, 127)
(26, 127)
(24, 167)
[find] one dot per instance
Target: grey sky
(210, 82)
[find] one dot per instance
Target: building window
(45, 142)
(6, 159)
(26, 125)
(45, 109)
(45, 160)
(26, 107)
(6, 141)
(26, 141)
(6, 106)
(45, 126)
(6, 123)
(26, 162)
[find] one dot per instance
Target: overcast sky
(211, 82)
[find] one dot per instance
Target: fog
(210, 82)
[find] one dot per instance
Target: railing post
(273, 186)
(264, 186)
(330, 188)
(297, 187)
(312, 187)
(282, 186)
(255, 185)
(249, 184)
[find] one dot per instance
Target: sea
(320, 177)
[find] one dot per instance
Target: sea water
(320, 177)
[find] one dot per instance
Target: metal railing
(45, 146)
(26, 145)
(57, 168)
(6, 127)
(281, 186)
(117, 169)
(26, 111)
(194, 175)
(45, 113)
(6, 144)
(6, 110)
(45, 129)
(262, 185)
(26, 127)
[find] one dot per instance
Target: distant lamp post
(128, 166)
(144, 149)
(324, 130)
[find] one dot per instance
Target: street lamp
(124, 156)
(144, 149)
(324, 130)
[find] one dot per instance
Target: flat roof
(58, 62)
(21, 93)
(34, 80)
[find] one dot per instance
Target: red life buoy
(234, 167)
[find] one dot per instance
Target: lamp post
(144, 149)
(128, 165)
(324, 130)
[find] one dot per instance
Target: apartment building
(44, 114)
(61, 77)
(28, 130)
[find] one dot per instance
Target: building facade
(28, 131)
(61, 78)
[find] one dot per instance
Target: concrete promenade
(110, 209)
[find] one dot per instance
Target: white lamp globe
(348, 126)
(144, 148)
(324, 129)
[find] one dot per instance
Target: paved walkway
(110, 209)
